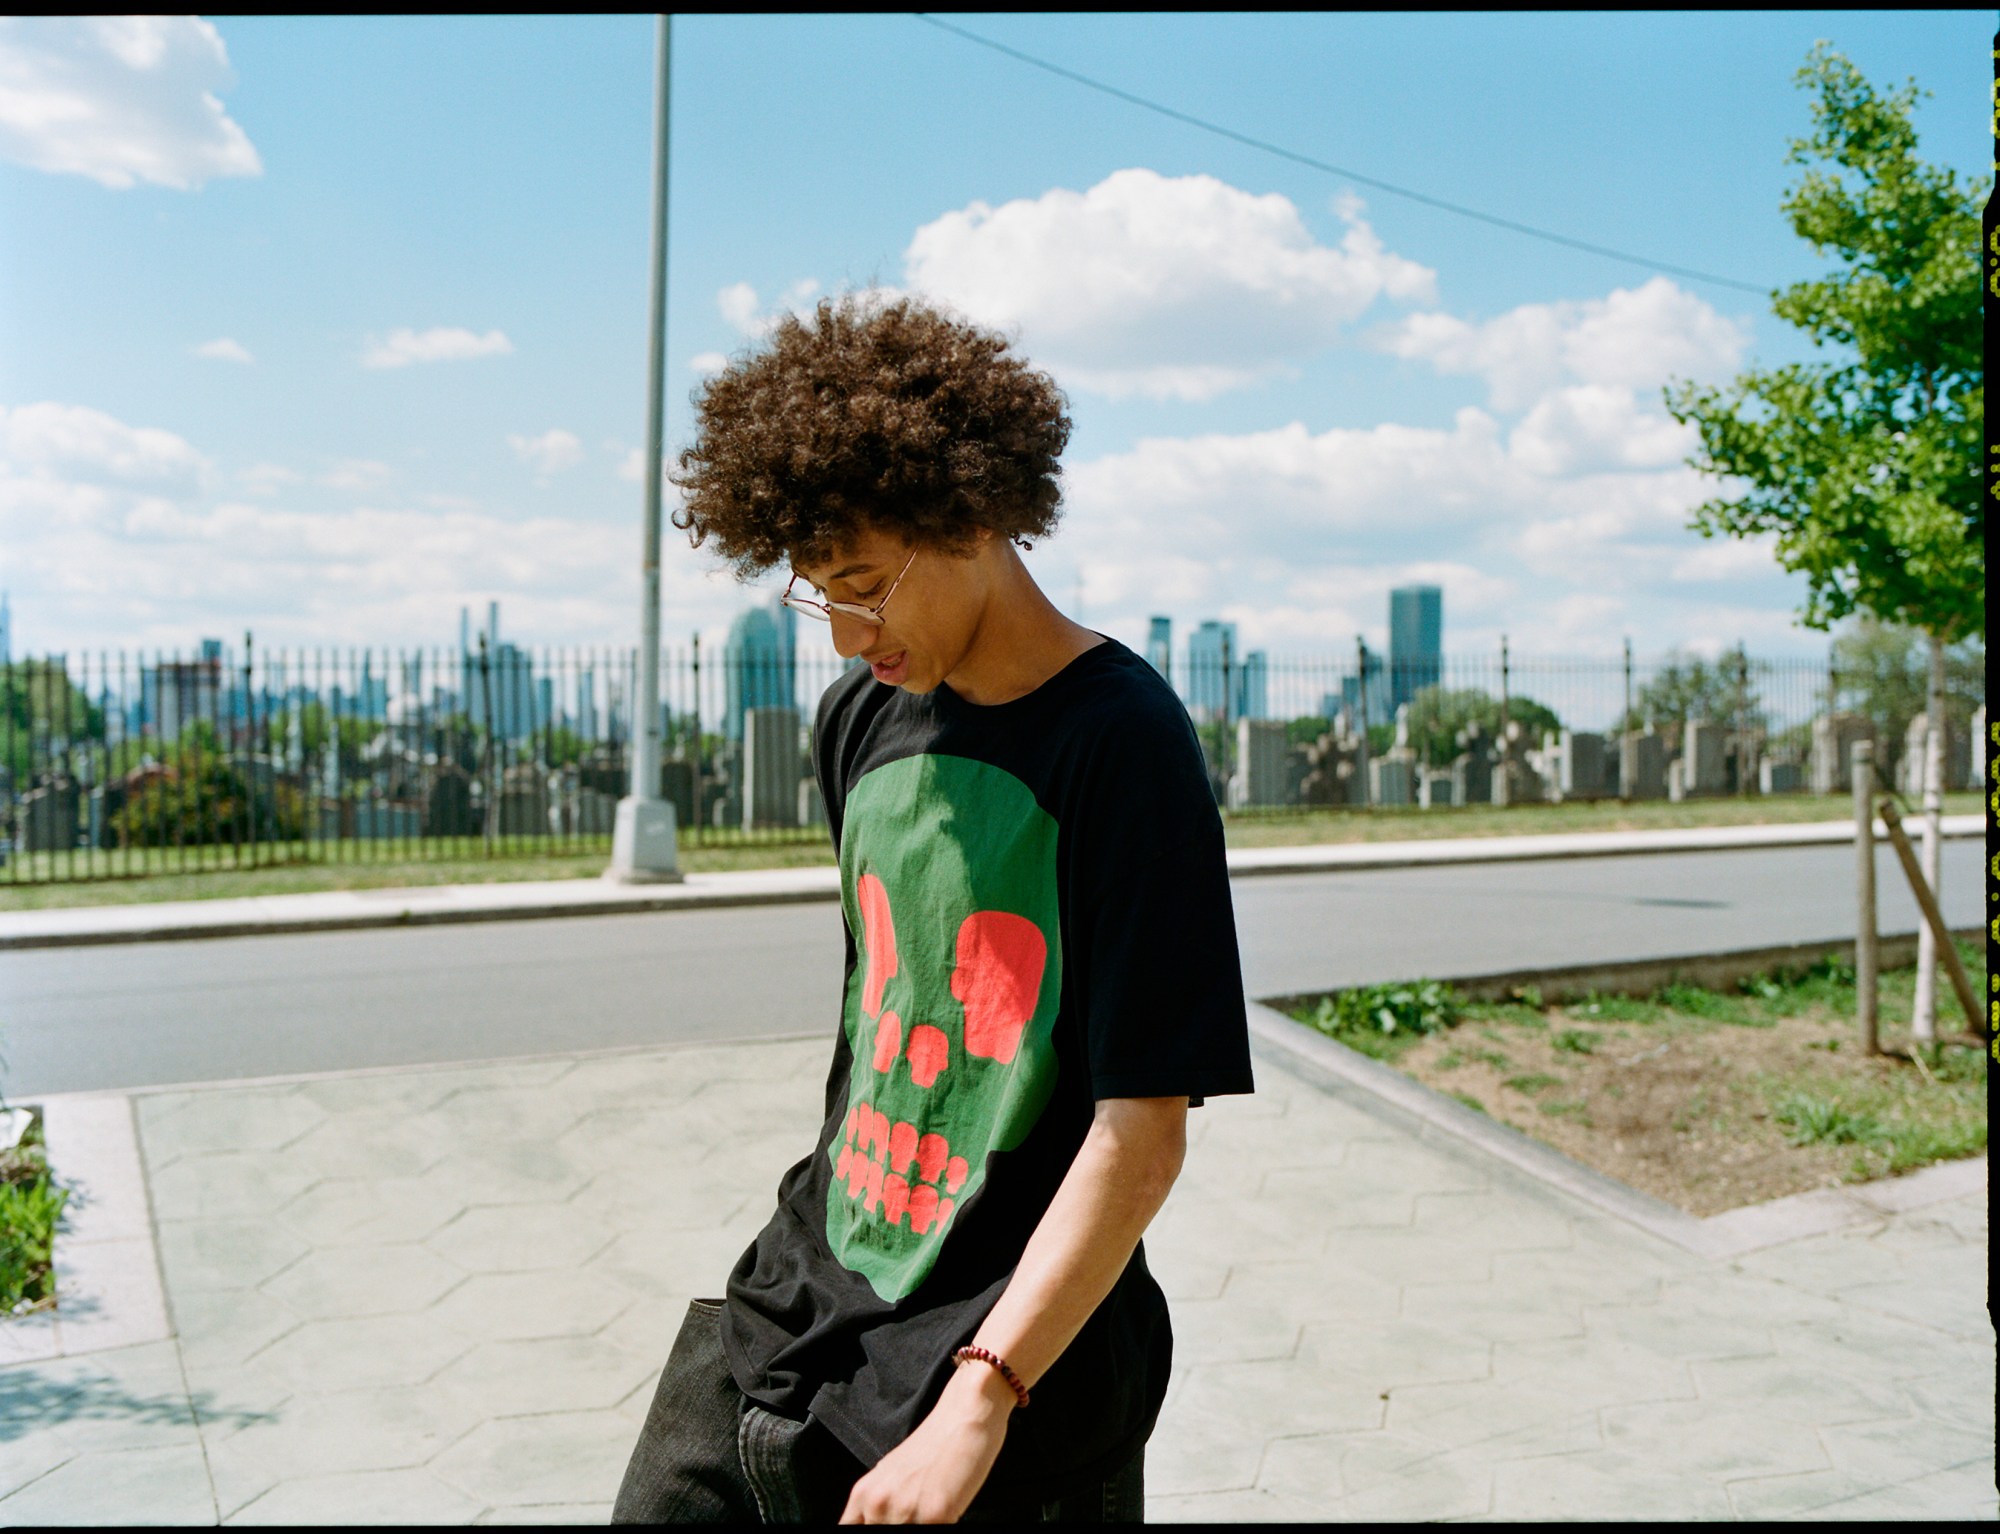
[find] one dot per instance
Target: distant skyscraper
(1247, 696)
(1380, 710)
(1207, 647)
(1160, 645)
(759, 663)
(1416, 641)
(6, 633)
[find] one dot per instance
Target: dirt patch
(1712, 1100)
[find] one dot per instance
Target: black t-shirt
(1038, 916)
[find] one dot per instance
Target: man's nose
(851, 636)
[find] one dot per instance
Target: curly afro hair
(890, 416)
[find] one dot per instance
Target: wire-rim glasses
(824, 611)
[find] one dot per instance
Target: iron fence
(116, 764)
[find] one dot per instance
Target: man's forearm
(1119, 1180)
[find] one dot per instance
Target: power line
(1336, 170)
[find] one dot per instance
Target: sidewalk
(444, 1295)
(335, 910)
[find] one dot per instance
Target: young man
(949, 1314)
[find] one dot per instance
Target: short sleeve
(1152, 930)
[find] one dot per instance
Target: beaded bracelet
(987, 1356)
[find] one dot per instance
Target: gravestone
(771, 766)
(1298, 762)
(375, 820)
(583, 812)
(1702, 770)
(1390, 781)
(677, 788)
(1434, 786)
(1515, 779)
(1954, 770)
(1330, 775)
(448, 807)
(1677, 779)
(1833, 738)
(524, 802)
(1472, 769)
(1775, 776)
(49, 817)
(1259, 778)
(1642, 765)
(1578, 766)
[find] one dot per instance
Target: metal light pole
(643, 849)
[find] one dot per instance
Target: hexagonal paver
(1494, 1310)
(662, 1264)
(348, 1430)
(508, 1174)
(221, 1327)
(1402, 1353)
(380, 1280)
(197, 1122)
(349, 1211)
(374, 1147)
(525, 1461)
(520, 1238)
(1592, 1371)
(1379, 1475)
(136, 1487)
(549, 1374)
(224, 1185)
(508, 1113)
(375, 1350)
(517, 1306)
(360, 1499)
(678, 1199)
(1715, 1445)
(198, 1255)
(1603, 1483)
(1500, 1225)
(1672, 1332)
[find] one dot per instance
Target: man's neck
(1022, 640)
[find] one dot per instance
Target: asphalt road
(148, 1014)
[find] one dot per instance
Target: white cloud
(1634, 338)
(1588, 428)
(1729, 559)
(356, 474)
(75, 443)
(267, 478)
(439, 344)
(632, 468)
(706, 363)
(1163, 287)
(222, 349)
(740, 306)
(551, 452)
(120, 99)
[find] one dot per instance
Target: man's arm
(1119, 1180)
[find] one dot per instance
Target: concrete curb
(349, 910)
(108, 1288)
(1388, 1093)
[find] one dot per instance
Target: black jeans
(709, 1454)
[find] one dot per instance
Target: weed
(1617, 1009)
(1450, 1060)
(1494, 1058)
(1470, 1101)
(1580, 1111)
(1821, 1121)
(1576, 1041)
(1698, 1001)
(1533, 1082)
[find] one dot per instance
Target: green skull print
(948, 876)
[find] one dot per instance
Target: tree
(1437, 714)
(1866, 467)
(1881, 668)
(1690, 688)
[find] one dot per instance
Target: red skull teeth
(875, 1159)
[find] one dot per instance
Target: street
(150, 1014)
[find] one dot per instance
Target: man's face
(927, 625)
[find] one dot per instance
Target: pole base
(644, 848)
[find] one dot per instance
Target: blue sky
(1290, 392)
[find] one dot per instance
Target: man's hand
(933, 1475)
(1128, 1161)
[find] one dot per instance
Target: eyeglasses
(824, 611)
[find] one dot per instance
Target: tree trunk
(1923, 1014)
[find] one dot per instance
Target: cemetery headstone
(771, 763)
(1642, 765)
(1259, 778)
(1833, 738)
(448, 808)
